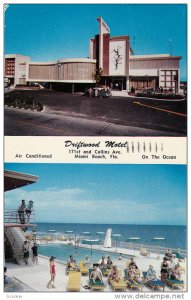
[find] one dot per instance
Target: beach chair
(98, 285)
(175, 283)
(120, 285)
(134, 284)
(137, 270)
(83, 270)
(144, 252)
(182, 269)
(74, 282)
(68, 270)
(105, 271)
(154, 284)
(62, 238)
(180, 258)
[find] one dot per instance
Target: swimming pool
(62, 252)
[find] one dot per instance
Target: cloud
(78, 205)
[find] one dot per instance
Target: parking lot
(67, 114)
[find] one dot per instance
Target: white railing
(12, 216)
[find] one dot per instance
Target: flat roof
(66, 60)
(156, 56)
(14, 180)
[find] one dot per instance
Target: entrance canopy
(14, 180)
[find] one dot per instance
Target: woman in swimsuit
(164, 270)
(114, 274)
(52, 272)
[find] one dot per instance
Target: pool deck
(36, 277)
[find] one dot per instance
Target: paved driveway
(138, 116)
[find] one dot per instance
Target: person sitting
(168, 254)
(175, 275)
(151, 274)
(132, 263)
(102, 263)
(109, 262)
(120, 256)
(96, 275)
(131, 274)
(87, 262)
(174, 261)
(114, 274)
(71, 264)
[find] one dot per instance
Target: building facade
(112, 56)
(15, 69)
(124, 70)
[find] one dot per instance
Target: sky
(104, 194)
(48, 32)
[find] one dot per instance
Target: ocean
(174, 236)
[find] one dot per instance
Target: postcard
(95, 151)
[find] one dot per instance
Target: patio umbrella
(116, 235)
(91, 243)
(107, 242)
(69, 232)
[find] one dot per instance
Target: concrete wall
(62, 71)
(151, 67)
(117, 68)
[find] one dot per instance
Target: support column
(127, 84)
(50, 86)
(72, 88)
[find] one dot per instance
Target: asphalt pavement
(77, 115)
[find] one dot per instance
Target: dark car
(97, 92)
(100, 92)
(148, 91)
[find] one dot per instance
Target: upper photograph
(95, 70)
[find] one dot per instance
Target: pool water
(62, 252)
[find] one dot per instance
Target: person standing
(164, 270)
(21, 212)
(28, 210)
(52, 272)
(25, 249)
(35, 254)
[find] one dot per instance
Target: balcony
(13, 219)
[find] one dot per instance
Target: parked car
(100, 92)
(148, 91)
(97, 92)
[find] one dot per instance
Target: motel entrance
(114, 83)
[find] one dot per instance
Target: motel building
(114, 56)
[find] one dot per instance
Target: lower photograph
(95, 227)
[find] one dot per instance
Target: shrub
(26, 103)
(132, 90)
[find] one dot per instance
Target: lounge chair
(105, 271)
(84, 270)
(182, 269)
(98, 285)
(175, 283)
(74, 282)
(180, 258)
(120, 285)
(133, 284)
(154, 284)
(144, 252)
(137, 270)
(68, 270)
